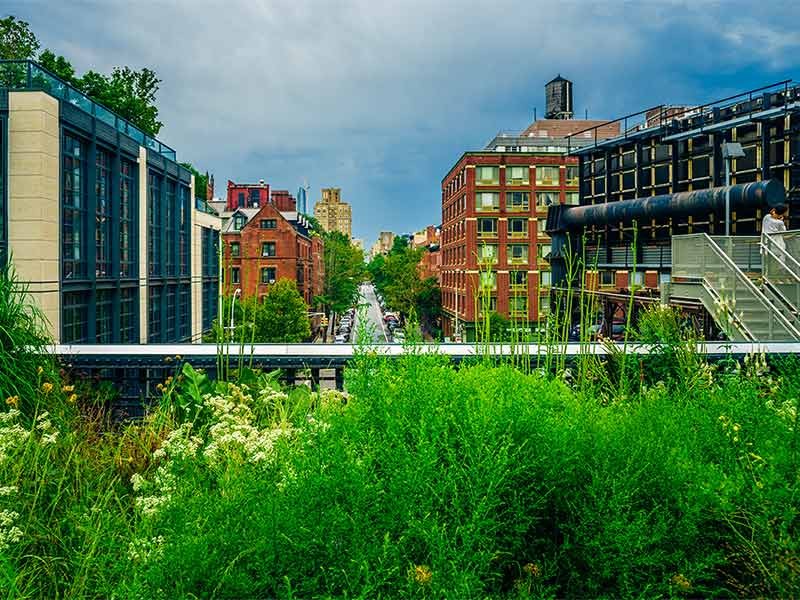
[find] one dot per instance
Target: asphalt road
(373, 316)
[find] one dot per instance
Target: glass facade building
(114, 213)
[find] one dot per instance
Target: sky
(381, 98)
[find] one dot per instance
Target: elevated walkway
(751, 288)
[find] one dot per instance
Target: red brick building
(266, 243)
(431, 262)
(247, 195)
(494, 209)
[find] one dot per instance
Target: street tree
(344, 272)
(283, 315)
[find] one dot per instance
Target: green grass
(424, 481)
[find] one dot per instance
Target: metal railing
(739, 301)
(781, 252)
(30, 75)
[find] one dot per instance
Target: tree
(131, 94)
(17, 41)
(283, 317)
(58, 65)
(200, 181)
(344, 271)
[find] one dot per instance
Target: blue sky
(381, 98)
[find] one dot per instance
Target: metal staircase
(751, 290)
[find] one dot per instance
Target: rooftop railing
(29, 75)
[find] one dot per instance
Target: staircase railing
(698, 256)
(782, 267)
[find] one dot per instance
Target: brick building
(246, 195)
(494, 249)
(431, 262)
(270, 242)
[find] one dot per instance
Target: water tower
(558, 99)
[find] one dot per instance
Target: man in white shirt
(773, 222)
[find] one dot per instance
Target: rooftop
(28, 75)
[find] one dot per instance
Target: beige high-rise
(333, 214)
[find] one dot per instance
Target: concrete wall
(33, 199)
(200, 220)
(143, 323)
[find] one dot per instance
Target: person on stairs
(773, 223)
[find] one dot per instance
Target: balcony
(27, 75)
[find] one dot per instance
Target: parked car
(340, 339)
(399, 336)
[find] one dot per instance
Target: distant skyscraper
(302, 199)
(332, 213)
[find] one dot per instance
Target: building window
(487, 305)
(171, 234)
(638, 278)
(487, 201)
(102, 232)
(545, 279)
(487, 228)
(235, 249)
(267, 248)
(184, 229)
(544, 305)
(74, 209)
(487, 175)
(518, 228)
(545, 199)
(184, 313)
(127, 204)
(664, 278)
(172, 314)
(487, 254)
(488, 280)
(572, 198)
(518, 306)
(518, 175)
(268, 275)
(517, 201)
(76, 318)
(255, 197)
(127, 316)
(154, 224)
(239, 221)
(543, 251)
(541, 227)
(572, 175)
(268, 223)
(517, 254)
(547, 175)
(154, 293)
(240, 200)
(607, 278)
(103, 304)
(235, 275)
(518, 280)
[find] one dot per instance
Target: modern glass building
(98, 218)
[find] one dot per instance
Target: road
(373, 315)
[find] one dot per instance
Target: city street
(373, 314)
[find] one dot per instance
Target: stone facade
(333, 214)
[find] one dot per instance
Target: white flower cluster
(9, 532)
(45, 427)
(233, 434)
(12, 434)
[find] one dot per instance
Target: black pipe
(767, 193)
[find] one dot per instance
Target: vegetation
(200, 181)
(280, 318)
(397, 277)
(344, 271)
(128, 92)
(422, 481)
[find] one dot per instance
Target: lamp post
(236, 292)
(730, 150)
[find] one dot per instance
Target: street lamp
(730, 150)
(237, 292)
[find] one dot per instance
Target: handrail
(717, 298)
(748, 284)
(772, 239)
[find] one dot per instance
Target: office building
(100, 219)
